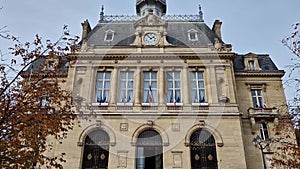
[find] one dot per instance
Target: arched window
(203, 150)
(149, 151)
(96, 150)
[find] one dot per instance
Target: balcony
(262, 113)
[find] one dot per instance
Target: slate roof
(177, 34)
(265, 62)
(40, 63)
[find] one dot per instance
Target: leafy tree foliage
(287, 155)
(33, 105)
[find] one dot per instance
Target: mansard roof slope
(177, 34)
(265, 63)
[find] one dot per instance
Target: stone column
(161, 86)
(114, 86)
(212, 85)
(137, 87)
(185, 86)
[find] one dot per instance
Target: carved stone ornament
(150, 20)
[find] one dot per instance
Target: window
(150, 87)
(251, 65)
(197, 87)
(102, 87)
(173, 84)
(51, 64)
(149, 150)
(257, 98)
(192, 34)
(264, 131)
(126, 87)
(109, 35)
(44, 102)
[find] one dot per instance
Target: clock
(150, 39)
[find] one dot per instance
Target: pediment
(150, 20)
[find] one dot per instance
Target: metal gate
(203, 150)
(96, 150)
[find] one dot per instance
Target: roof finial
(200, 14)
(102, 13)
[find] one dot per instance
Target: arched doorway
(96, 150)
(203, 150)
(149, 151)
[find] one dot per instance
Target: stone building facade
(155, 91)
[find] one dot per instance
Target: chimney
(217, 28)
(86, 28)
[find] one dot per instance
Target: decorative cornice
(153, 55)
(263, 74)
(45, 75)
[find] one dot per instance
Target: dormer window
(109, 35)
(251, 62)
(251, 65)
(51, 64)
(193, 35)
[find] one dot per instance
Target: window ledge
(149, 104)
(124, 104)
(99, 104)
(199, 104)
(174, 104)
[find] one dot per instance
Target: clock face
(150, 38)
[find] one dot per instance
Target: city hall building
(157, 91)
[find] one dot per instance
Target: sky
(256, 26)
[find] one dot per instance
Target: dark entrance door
(203, 150)
(96, 150)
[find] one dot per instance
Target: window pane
(170, 96)
(99, 84)
(170, 84)
(258, 92)
(194, 96)
(146, 84)
(169, 75)
(177, 84)
(130, 96)
(193, 75)
(100, 75)
(202, 96)
(154, 85)
(122, 96)
(130, 75)
(146, 75)
(123, 75)
(200, 75)
(177, 75)
(108, 75)
(193, 84)
(123, 85)
(107, 84)
(154, 96)
(201, 84)
(130, 84)
(145, 98)
(154, 75)
(260, 102)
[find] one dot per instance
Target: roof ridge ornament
(200, 14)
(102, 13)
